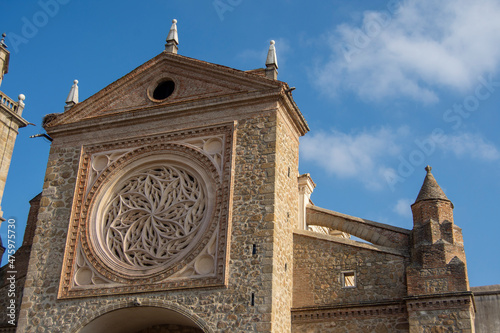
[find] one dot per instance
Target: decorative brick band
(436, 302)
(346, 312)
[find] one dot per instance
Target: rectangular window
(348, 279)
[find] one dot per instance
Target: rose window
(152, 216)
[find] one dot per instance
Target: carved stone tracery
(153, 216)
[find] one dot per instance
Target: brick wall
(386, 323)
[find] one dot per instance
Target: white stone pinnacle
(172, 38)
(272, 60)
(172, 34)
(72, 96)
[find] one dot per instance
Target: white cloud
(469, 145)
(415, 49)
(374, 156)
(356, 156)
(403, 208)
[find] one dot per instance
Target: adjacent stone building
(173, 202)
(10, 121)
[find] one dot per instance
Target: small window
(348, 279)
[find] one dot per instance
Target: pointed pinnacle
(430, 189)
(172, 38)
(272, 60)
(172, 34)
(72, 96)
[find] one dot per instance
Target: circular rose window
(152, 215)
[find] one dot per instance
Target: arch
(130, 318)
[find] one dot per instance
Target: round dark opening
(163, 90)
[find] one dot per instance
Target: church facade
(173, 202)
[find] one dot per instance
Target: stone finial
(21, 99)
(272, 62)
(72, 96)
(172, 38)
(430, 189)
(2, 41)
(306, 187)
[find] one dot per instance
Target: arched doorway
(142, 319)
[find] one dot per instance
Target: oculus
(163, 90)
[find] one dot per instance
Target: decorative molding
(439, 302)
(84, 274)
(117, 186)
(345, 312)
(146, 302)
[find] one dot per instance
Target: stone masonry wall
(367, 324)
(8, 134)
(447, 319)
(8, 291)
(286, 215)
(222, 309)
(318, 263)
(9, 313)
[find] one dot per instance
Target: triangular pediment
(194, 80)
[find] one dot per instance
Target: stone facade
(255, 266)
(256, 295)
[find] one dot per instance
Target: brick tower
(438, 288)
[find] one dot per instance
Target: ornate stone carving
(203, 265)
(150, 214)
(84, 274)
(99, 163)
(153, 216)
(213, 146)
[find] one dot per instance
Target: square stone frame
(78, 226)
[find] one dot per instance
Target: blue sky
(387, 87)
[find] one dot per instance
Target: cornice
(165, 112)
